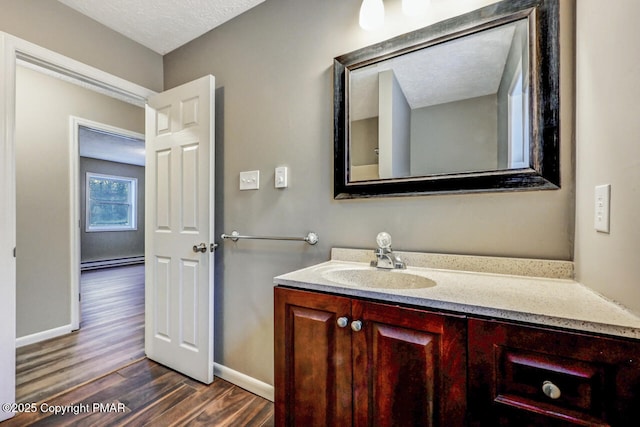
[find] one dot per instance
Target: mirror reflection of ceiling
(102, 145)
(467, 67)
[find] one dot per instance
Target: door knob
(342, 322)
(202, 247)
(356, 325)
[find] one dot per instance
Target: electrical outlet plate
(602, 207)
(250, 180)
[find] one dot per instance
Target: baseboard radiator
(116, 262)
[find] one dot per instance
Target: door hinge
(14, 252)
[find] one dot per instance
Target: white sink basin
(377, 278)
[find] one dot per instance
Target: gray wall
(99, 246)
(57, 27)
(43, 193)
(608, 146)
(364, 141)
(394, 126)
(273, 68)
(457, 136)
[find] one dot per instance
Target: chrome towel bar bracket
(311, 238)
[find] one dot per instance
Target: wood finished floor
(111, 336)
(148, 394)
(103, 363)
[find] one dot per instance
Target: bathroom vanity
(476, 341)
(389, 366)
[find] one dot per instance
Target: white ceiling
(103, 145)
(161, 25)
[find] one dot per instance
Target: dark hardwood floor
(111, 335)
(148, 394)
(103, 364)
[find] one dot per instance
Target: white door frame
(12, 51)
(74, 161)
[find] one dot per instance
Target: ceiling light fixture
(371, 14)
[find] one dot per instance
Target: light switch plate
(602, 207)
(250, 180)
(282, 177)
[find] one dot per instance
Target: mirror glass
(468, 104)
(460, 106)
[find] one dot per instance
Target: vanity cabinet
(531, 376)
(343, 361)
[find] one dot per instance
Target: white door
(179, 221)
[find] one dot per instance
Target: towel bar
(311, 238)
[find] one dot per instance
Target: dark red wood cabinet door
(312, 359)
(597, 379)
(409, 367)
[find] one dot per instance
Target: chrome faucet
(385, 257)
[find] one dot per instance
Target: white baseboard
(246, 382)
(44, 335)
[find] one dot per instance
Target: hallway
(111, 336)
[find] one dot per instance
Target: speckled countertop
(532, 291)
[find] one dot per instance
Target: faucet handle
(384, 240)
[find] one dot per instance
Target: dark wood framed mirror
(468, 104)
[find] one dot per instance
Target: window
(111, 202)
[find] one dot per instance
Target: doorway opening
(53, 161)
(15, 52)
(110, 167)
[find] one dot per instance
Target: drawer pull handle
(551, 390)
(342, 322)
(356, 325)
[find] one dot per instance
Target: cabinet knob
(356, 325)
(342, 322)
(551, 390)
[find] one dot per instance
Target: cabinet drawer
(597, 378)
(571, 385)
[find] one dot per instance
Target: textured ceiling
(161, 25)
